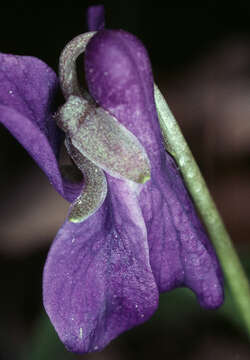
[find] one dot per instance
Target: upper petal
(119, 77)
(27, 90)
(97, 279)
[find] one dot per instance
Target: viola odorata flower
(132, 229)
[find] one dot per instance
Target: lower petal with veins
(97, 279)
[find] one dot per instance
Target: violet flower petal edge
(27, 90)
(97, 279)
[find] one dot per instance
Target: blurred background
(201, 61)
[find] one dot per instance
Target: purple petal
(180, 251)
(119, 77)
(27, 90)
(97, 279)
(95, 18)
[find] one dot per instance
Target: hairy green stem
(178, 148)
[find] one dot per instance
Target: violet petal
(119, 77)
(97, 279)
(180, 251)
(27, 90)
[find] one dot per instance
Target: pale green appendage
(95, 139)
(67, 65)
(178, 148)
(103, 140)
(95, 184)
(95, 187)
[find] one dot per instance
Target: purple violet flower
(105, 270)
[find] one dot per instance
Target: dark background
(201, 61)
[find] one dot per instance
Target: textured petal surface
(27, 90)
(119, 77)
(97, 279)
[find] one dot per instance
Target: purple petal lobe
(180, 252)
(95, 18)
(119, 77)
(35, 142)
(97, 279)
(27, 90)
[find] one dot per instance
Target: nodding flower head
(132, 230)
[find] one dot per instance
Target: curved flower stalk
(132, 230)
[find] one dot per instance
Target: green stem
(178, 148)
